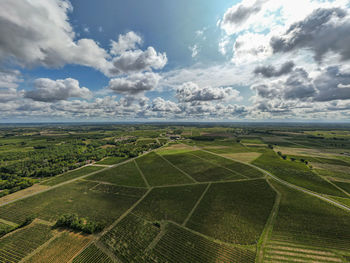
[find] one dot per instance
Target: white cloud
(134, 83)
(138, 61)
(129, 41)
(190, 91)
(48, 90)
(194, 50)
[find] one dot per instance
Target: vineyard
(159, 172)
(125, 174)
(227, 213)
(92, 254)
(187, 202)
(17, 245)
(130, 238)
(70, 243)
(181, 245)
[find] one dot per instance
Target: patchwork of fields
(193, 201)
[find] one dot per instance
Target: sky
(156, 60)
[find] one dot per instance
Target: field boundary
(233, 171)
(142, 175)
(173, 165)
(8, 222)
(196, 205)
(268, 226)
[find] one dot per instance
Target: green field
(308, 220)
(181, 245)
(296, 173)
(126, 174)
(71, 175)
(201, 170)
(169, 203)
(112, 160)
(16, 246)
(92, 254)
(159, 172)
(78, 197)
(234, 212)
(130, 238)
(243, 170)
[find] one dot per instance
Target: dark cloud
(322, 31)
(332, 85)
(271, 71)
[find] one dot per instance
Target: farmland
(213, 194)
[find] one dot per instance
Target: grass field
(129, 239)
(4, 228)
(201, 170)
(234, 212)
(112, 160)
(71, 175)
(120, 190)
(243, 157)
(92, 254)
(296, 173)
(181, 245)
(19, 244)
(76, 198)
(169, 203)
(333, 174)
(159, 172)
(242, 170)
(126, 174)
(61, 249)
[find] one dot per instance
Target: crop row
(92, 254)
(21, 243)
(130, 237)
(181, 245)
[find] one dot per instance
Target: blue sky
(249, 60)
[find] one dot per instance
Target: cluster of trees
(12, 183)
(72, 221)
(284, 157)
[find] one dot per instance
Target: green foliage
(72, 221)
(126, 174)
(234, 212)
(169, 203)
(159, 172)
(343, 185)
(296, 173)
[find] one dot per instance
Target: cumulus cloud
(322, 31)
(271, 71)
(134, 83)
(190, 91)
(39, 33)
(161, 105)
(48, 90)
(194, 50)
(9, 80)
(235, 16)
(138, 61)
(125, 42)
